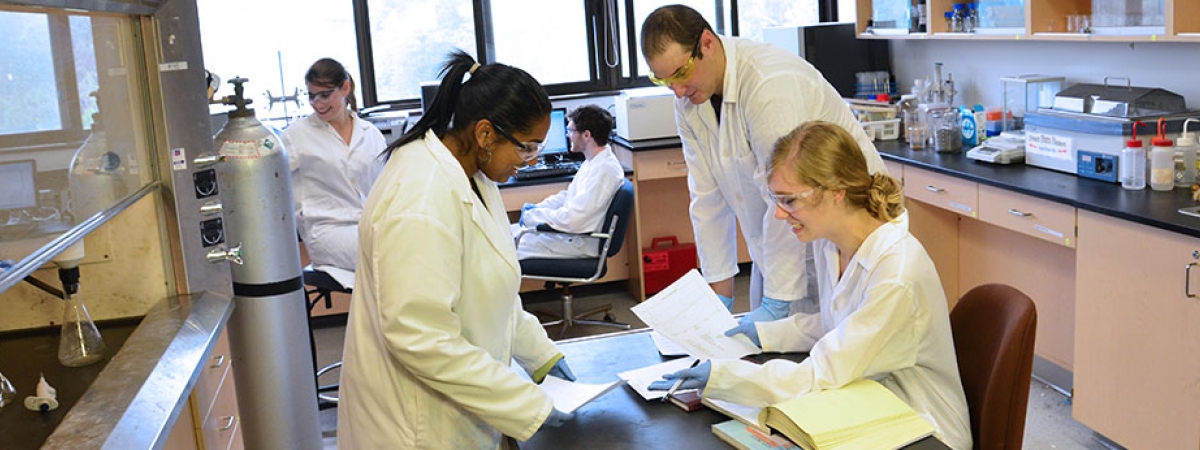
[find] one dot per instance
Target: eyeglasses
(321, 95)
(528, 151)
(791, 202)
(685, 71)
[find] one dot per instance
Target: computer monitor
(17, 184)
(557, 148)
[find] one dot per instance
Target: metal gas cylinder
(268, 330)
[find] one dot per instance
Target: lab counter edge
(1157, 209)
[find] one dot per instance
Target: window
(28, 90)
(409, 41)
(571, 46)
(276, 48)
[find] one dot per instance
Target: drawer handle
(229, 421)
(1187, 280)
(676, 163)
(1019, 213)
(934, 189)
(218, 361)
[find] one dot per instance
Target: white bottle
(1162, 164)
(1185, 147)
(1133, 165)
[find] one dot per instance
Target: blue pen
(678, 382)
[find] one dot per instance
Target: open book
(862, 415)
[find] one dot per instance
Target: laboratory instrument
(1185, 157)
(45, 398)
(1162, 160)
(1028, 92)
(270, 315)
(7, 392)
(1133, 163)
(1096, 118)
(1007, 148)
(80, 343)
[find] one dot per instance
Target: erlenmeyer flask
(7, 393)
(80, 343)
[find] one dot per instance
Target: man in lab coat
(580, 207)
(736, 97)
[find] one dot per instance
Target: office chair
(562, 273)
(323, 286)
(994, 326)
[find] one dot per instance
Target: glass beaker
(80, 343)
(946, 129)
(7, 393)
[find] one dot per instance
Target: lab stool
(322, 288)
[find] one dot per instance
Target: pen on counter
(678, 382)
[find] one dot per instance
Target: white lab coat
(330, 182)
(886, 319)
(577, 209)
(768, 92)
(436, 320)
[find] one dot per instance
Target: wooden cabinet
(1137, 334)
(661, 205)
(944, 191)
(1044, 20)
(1018, 240)
(1046, 220)
(210, 420)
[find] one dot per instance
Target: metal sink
(23, 355)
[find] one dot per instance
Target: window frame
(65, 79)
(603, 79)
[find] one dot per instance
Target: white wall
(978, 65)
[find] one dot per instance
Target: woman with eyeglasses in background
(334, 158)
(883, 311)
(436, 322)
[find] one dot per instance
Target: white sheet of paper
(666, 346)
(689, 313)
(569, 395)
(640, 379)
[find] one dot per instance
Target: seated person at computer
(580, 207)
(334, 158)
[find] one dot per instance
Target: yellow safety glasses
(684, 72)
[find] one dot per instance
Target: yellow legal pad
(861, 415)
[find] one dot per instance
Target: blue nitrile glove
(770, 309)
(728, 301)
(556, 419)
(561, 370)
(693, 378)
(526, 207)
(747, 328)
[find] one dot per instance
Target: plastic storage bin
(883, 130)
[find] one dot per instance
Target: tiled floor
(1048, 422)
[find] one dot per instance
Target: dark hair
(825, 156)
(595, 119)
(328, 72)
(503, 94)
(672, 23)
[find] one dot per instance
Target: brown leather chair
(994, 327)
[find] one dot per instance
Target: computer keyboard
(546, 171)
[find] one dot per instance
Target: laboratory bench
(1110, 270)
(622, 419)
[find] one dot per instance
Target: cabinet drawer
(657, 164)
(214, 370)
(221, 424)
(943, 191)
(1042, 219)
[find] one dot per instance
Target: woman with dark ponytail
(334, 158)
(884, 315)
(436, 321)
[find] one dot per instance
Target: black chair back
(619, 209)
